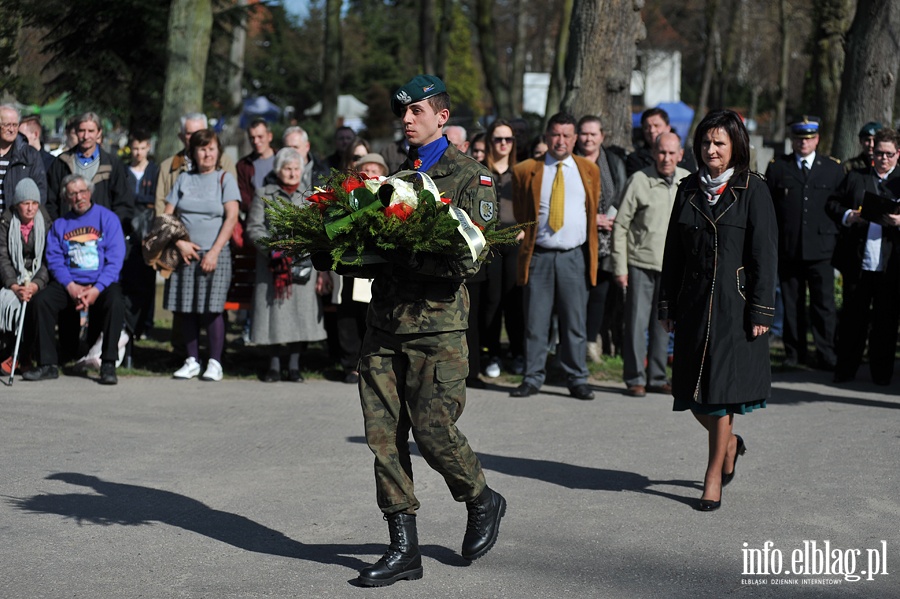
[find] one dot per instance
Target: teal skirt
(718, 409)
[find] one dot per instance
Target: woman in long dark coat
(718, 292)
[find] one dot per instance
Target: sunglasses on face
(503, 140)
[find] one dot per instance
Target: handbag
(301, 270)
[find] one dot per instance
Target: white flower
(404, 193)
(373, 184)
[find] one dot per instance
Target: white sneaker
(493, 368)
(213, 371)
(190, 369)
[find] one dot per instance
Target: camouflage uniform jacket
(425, 293)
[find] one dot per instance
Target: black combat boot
(402, 559)
(483, 527)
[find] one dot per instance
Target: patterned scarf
(713, 188)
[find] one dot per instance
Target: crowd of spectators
(72, 226)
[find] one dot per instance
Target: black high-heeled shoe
(708, 505)
(741, 450)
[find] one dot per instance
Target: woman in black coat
(718, 291)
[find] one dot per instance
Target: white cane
(15, 360)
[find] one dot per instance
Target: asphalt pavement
(158, 488)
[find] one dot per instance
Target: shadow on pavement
(574, 477)
(134, 505)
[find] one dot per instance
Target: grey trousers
(640, 317)
(557, 281)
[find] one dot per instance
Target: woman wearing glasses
(502, 301)
(868, 255)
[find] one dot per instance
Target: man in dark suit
(867, 256)
(558, 256)
(800, 183)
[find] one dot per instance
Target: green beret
(420, 88)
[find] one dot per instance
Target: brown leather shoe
(665, 388)
(636, 391)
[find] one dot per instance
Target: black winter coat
(805, 232)
(24, 162)
(718, 280)
(851, 245)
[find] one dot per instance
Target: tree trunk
(726, 68)
(601, 57)
(233, 134)
(709, 64)
(426, 35)
(870, 72)
(443, 38)
(487, 45)
(331, 71)
(832, 18)
(190, 26)
(784, 70)
(557, 87)
(517, 60)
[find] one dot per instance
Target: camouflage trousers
(416, 383)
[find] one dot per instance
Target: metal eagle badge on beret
(403, 97)
(486, 210)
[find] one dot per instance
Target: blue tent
(680, 117)
(259, 107)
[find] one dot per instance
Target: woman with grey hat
(23, 235)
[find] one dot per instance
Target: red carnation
(351, 183)
(400, 210)
(322, 197)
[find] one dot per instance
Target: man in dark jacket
(867, 256)
(18, 160)
(105, 172)
(654, 122)
(801, 183)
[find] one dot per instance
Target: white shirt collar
(810, 160)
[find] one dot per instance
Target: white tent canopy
(348, 108)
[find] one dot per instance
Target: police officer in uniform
(801, 183)
(414, 359)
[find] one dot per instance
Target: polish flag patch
(487, 181)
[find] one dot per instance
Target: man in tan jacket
(558, 256)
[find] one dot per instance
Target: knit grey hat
(26, 190)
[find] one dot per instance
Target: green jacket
(425, 293)
(639, 231)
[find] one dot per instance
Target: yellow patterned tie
(557, 200)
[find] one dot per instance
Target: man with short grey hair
(84, 253)
(639, 238)
(458, 137)
(104, 170)
(18, 160)
(313, 168)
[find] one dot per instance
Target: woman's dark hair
(730, 122)
(348, 159)
(489, 144)
(201, 139)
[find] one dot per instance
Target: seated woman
(206, 199)
(23, 236)
(286, 312)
